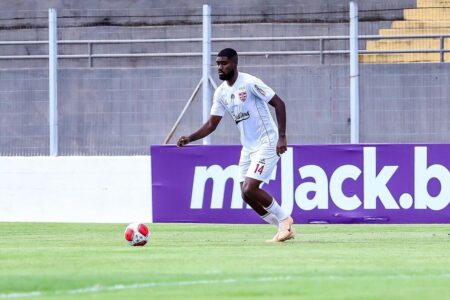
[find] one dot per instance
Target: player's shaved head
(228, 53)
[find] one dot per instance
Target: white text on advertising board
(325, 188)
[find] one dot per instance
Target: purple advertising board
(386, 183)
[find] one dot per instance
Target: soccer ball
(137, 234)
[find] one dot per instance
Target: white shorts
(260, 164)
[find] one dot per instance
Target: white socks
(270, 218)
(275, 209)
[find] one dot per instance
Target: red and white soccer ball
(137, 234)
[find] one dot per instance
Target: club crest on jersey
(242, 94)
(260, 90)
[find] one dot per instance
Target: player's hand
(281, 145)
(182, 141)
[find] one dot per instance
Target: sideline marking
(118, 287)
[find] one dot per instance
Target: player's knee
(248, 191)
(242, 194)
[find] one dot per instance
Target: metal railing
(321, 52)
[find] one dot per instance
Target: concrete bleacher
(185, 31)
(430, 17)
(121, 106)
(87, 20)
(163, 32)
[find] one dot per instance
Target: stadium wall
(124, 111)
(75, 189)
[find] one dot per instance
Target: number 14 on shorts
(259, 169)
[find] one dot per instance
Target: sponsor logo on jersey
(260, 90)
(242, 116)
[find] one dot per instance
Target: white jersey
(246, 102)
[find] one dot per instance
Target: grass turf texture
(200, 261)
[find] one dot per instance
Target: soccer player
(245, 98)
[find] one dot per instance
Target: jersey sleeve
(261, 90)
(217, 108)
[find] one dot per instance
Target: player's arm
(280, 112)
(205, 130)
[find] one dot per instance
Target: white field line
(119, 287)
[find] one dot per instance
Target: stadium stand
(139, 20)
(121, 106)
(431, 17)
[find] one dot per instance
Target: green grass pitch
(203, 261)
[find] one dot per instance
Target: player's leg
(259, 209)
(261, 169)
(253, 192)
(244, 164)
